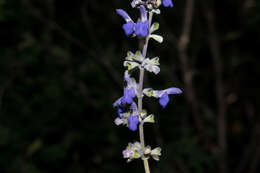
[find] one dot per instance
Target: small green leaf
(131, 65)
(148, 92)
(136, 155)
(126, 115)
(143, 113)
(155, 153)
(130, 56)
(155, 61)
(138, 56)
(154, 27)
(149, 119)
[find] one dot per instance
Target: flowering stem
(140, 96)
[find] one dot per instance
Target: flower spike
(130, 114)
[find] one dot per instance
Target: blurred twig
(2, 89)
(69, 37)
(248, 4)
(255, 161)
(252, 147)
(218, 64)
(189, 91)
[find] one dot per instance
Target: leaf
(155, 157)
(138, 56)
(149, 119)
(155, 153)
(151, 65)
(155, 61)
(150, 92)
(131, 65)
(130, 56)
(158, 38)
(152, 68)
(143, 113)
(154, 27)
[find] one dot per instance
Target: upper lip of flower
(143, 13)
(124, 14)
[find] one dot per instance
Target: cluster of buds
(134, 151)
(152, 3)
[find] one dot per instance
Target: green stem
(140, 96)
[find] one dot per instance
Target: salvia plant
(130, 113)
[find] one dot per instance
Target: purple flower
(117, 103)
(129, 94)
(132, 122)
(167, 3)
(134, 109)
(164, 100)
(127, 108)
(129, 25)
(127, 78)
(129, 91)
(128, 153)
(128, 28)
(143, 13)
(121, 107)
(163, 95)
(121, 110)
(142, 26)
(126, 102)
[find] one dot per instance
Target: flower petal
(121, 110)
(167, 3)
(128, 153)
(123, 14)
(141, 28)
(134, 109)
(132, 122)
(164, 100)
(128, 28)
(173, 90)
(118, 121)
(127, 78)
(129, 94)
(134, 3)
(143, 13)
(117, 102)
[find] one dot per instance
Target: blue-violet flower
(129, 94)
(167, 3)
(129, 25)
(163, 95)
(142, 26)
(132, 122)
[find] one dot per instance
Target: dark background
(61, 70)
